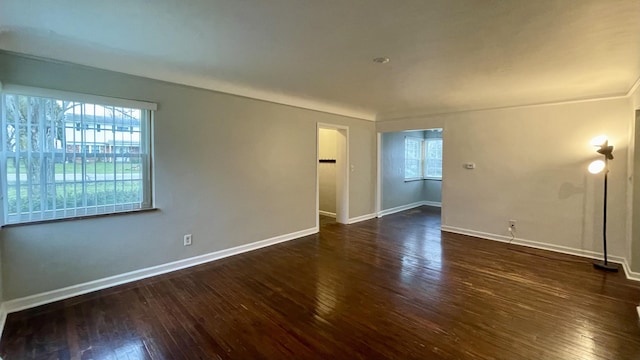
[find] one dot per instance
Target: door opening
(332, 182)
(409, 170)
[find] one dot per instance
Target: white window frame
(420, 143)
(146, 150)
(426, 159)
(424, 143)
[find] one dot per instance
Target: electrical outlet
(187, 240)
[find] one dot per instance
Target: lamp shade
(599, 140)
(596, 167)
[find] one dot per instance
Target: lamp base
(607, 267)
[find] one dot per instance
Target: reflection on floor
(390, 288)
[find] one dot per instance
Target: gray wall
(229, 170)
(395, 191)
(531, 166)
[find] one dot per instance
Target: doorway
(332, 181)
(409, 170)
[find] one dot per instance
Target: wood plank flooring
(390, 288)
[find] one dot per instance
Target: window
(422, 158)
(58, 164)
(413, 161)
(433, 158)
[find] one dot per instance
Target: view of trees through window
(65, 158)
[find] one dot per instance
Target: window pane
(433, 158)
(412, 158)
(66, 158)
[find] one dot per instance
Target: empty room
(411, 179)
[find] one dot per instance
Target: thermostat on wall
(469, 165)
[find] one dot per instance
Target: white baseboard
(545, 246)
(84, 288)
(400, 208)
(361, 218)
(326, 213)
(432, 203)
(631, 275)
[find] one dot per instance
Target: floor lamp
(596, 167)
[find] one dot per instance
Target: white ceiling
(446, 55)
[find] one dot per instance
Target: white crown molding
(221, 86)
(413, 114)
(405, 115)
(634, 87)
(217, 85)
(91, 286)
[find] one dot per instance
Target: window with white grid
(412, 158)
(64, 158)
(433, 158)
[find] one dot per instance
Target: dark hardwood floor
(391, 288)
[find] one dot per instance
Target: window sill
(421, 179)
(37, 222)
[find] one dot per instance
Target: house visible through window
(64, 158)
(423, 157)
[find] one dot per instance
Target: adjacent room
(411, 170)
(320, 180)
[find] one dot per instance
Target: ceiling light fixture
(381, 60)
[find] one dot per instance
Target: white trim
(634, 87)
(342, 185)
(362, 218)
(378, 172)
(530, 243)
(400, 208)
(3, 319)
(91, 286)
(326, 213)
(413, 114)
(631, 275)
(544, 246)
(432, 203)
(72, 96)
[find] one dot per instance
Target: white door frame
(378, 174)
(342, 172)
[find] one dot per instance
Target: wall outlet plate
(187, 240)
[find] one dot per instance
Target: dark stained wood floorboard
(394, 288)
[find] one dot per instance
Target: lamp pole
(605, 150)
